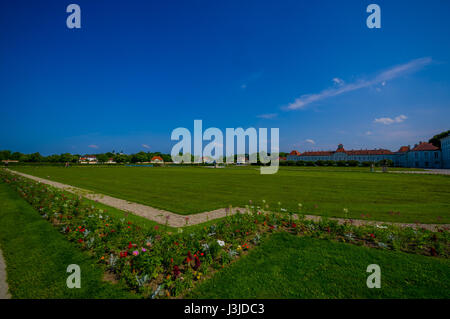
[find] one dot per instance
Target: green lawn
(37, 256)
(285, 266)
(322, 191)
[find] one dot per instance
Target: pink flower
(135, 253)
(144, 250)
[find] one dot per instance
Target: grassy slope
(285, 266)
(37, 256)
(323, 191)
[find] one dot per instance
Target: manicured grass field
(37, 256)
(322, 191)
(285, 266)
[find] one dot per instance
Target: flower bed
(156, 263)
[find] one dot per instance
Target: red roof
(403, 149)
(318, 153)
(154, 158)
(424, 146)
(282, 158)
(369, 152)
(295, 153)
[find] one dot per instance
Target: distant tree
(352, 163)
(436, 140)
(66, 157)
(300, 163)
(53, 158)
(121, 158)
(330, 163)
(4, 155)
(35, 157)
(102, 158)
(16, 156)
(341, 163)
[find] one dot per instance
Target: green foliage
(436, 140)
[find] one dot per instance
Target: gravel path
(427, 171)
(176, 220)
(3, 284)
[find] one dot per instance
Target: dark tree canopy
(436, 140)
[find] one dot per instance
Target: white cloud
(145, 146)
(244, 86)
(389, 121)
(368, 133)
(310, 141)
(338, 81)
(392, 73)
(93, 146)
(267, 116)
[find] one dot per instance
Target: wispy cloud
(338, 81)
(145, 146)
(389, 121)
(93, 146)
(310, 141)
(267, 116)
(381, 78)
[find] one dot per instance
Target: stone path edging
(175, 220)
(4, 294)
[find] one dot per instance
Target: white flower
(221, 243)
(382, 227)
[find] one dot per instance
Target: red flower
(176, 271)
(130, 245)
(294, 225)
(80, 240)
(123, 254)
(372, 235)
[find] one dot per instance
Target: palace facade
(422, 155)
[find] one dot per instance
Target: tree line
(74, 158)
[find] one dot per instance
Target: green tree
(4, 155)
(436, 140)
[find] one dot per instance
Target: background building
(445, 150)
(423, 155)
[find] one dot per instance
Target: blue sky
(136, 70)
